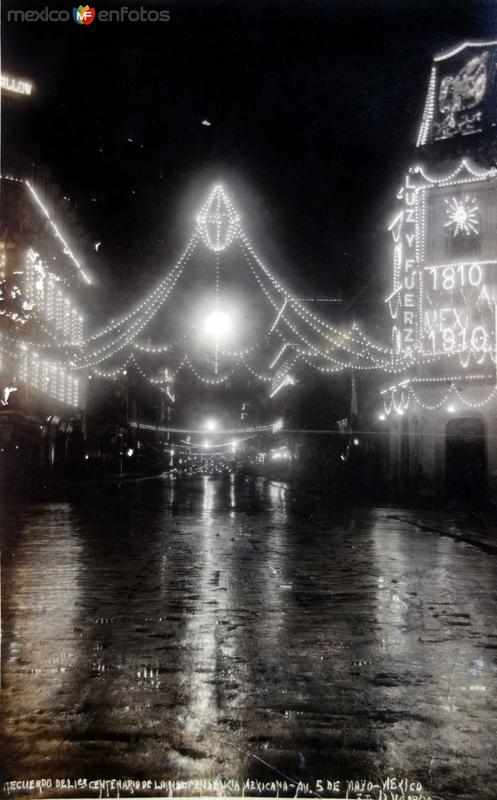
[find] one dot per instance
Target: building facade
(441, 401)
(42, 328)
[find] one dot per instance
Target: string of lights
(218, 226)
(157, 295)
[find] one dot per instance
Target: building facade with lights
(42, 326)
(440, 403)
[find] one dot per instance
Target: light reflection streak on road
(241, 620)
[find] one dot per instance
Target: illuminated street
(248, 400)
(203, 628)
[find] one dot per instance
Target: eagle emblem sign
(458, 95)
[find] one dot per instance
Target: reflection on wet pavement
(208, 629)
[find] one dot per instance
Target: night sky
(314, 109)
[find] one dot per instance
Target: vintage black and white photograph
(248, 399)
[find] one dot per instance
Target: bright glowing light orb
(218, 324)
(211, 424)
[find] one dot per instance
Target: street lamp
(211, 424)
(217, 327)
(218, 324)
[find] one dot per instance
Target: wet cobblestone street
(206, 629)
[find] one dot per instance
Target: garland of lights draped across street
(294, 334)
(424, 332)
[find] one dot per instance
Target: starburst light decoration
(462, 215)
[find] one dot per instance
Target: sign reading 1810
(458, 307)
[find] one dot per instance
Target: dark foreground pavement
(208, 630)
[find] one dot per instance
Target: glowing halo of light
(218, 324)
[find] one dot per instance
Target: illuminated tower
(443, 298)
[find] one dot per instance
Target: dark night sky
(314, 109)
